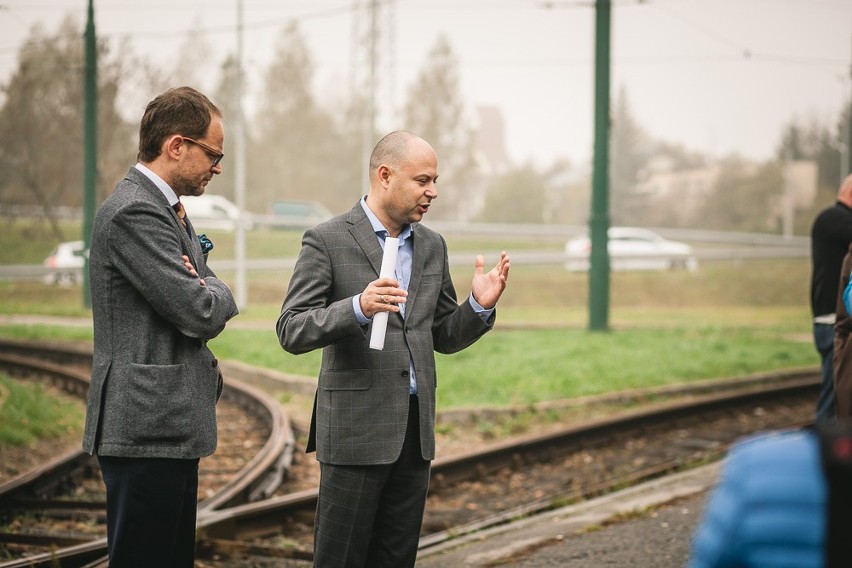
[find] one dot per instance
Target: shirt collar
(380, 229)
(171, 196)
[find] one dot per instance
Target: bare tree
(41, 123)
(295, 153)
(435, 111)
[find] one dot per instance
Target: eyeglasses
(214, 154)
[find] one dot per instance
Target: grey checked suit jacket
(154, 381)
(361, 404)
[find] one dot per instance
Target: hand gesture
(488, 286)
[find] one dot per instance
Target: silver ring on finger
(384, 299)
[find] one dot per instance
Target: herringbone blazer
(154, 381)
(362, 397)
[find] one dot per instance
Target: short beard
(183, 186)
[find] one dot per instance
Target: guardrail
(742, 246)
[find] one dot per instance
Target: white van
(213, 212)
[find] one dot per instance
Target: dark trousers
(370, 516)
(826, 411)
(151, 506)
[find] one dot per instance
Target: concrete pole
(239, 172)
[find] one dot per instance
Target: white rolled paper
(380, 320)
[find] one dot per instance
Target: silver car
(65, 264)
(632, 248)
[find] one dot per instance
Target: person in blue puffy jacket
(769, 508)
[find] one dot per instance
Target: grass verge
(29, 412)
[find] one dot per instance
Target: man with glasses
(151, 411)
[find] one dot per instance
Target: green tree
(629, 145)
(434, 110)
(41, 123)
(295, 152)
(819, 142)
(518, 196)
(744, 198)
(225, 97)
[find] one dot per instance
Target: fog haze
(718, 76)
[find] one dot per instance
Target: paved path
(647, 526)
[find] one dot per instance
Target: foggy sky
(718, 76)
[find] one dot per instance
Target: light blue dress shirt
(403, 276)
(167, 190)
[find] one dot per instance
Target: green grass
(520, 366)
(28, 412)
(667, 327)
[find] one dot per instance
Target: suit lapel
(366, 238)
(418, 260)
(362, 232)
(187, 236)
(193, 243)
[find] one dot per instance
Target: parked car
(213, 212)
(65, 264)
(294, 214)
(632, 248)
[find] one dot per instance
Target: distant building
(687, 187)
(690, 187)
(491, 155)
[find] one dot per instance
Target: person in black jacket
(831, 236)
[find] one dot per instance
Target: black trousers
(151, 505)
(370, 516)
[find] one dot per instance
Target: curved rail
(222, 522)
(256, 480)
(252, 519)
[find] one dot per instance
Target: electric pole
(599, 222)
(90, 145)
(372, 48)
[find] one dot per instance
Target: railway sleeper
(217, 548)
(44, 539)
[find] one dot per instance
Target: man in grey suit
(151, 411)
(374, 411)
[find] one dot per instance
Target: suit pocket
(343, 380)
(159, 408)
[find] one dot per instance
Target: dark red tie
(181, 213)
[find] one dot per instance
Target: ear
(173, 147)
(384, 174)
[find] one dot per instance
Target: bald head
(844, 194)
(392, 150)
(403, 173)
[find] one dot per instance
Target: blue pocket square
(206, 244)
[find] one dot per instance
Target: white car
(299, 215)
(209, 212)
(632, 249)
(65, 264)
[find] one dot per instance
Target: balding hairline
(391, 150)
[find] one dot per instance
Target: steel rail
(256, 480)
(254, 519)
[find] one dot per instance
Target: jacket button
(404, 374)
(214, 362)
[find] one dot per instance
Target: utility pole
(90, 145)
(240, 172)
(599, 223)
(372, 45)
(787, 177)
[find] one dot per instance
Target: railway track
(525, 476)
(56, 512)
